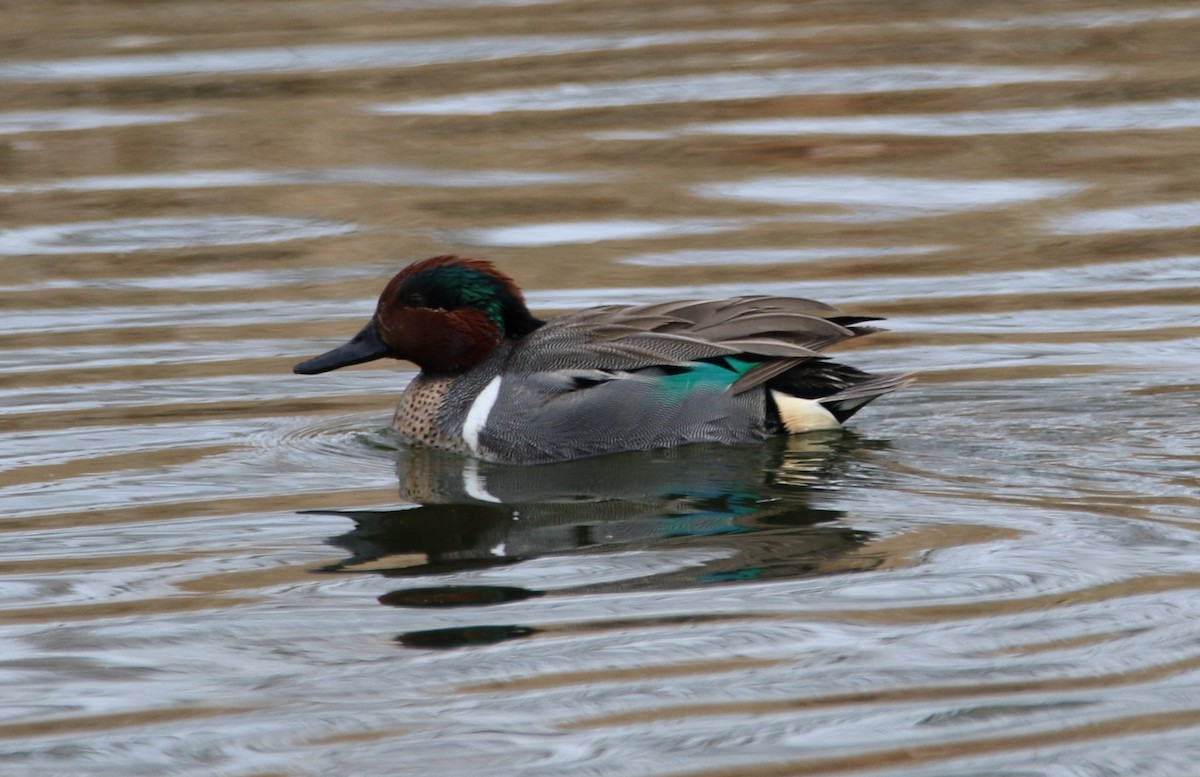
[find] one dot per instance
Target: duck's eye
(415, 300)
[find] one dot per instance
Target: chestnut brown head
(445, 314)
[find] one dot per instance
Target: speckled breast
(421, 414)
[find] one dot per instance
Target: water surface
(213, 566)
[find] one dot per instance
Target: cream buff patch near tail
(802, 415)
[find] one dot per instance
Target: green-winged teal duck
(500, 384)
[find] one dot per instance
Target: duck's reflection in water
(651, 520)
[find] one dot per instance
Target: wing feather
(782, 330)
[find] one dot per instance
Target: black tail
(841, 389)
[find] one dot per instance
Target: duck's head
(445, 314)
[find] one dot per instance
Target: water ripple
(732, 86)
(211, 281)
(266, 461)
(70, 119)
(1174, 215)
(705, 257)
(191, 391)
(99, 357)
(871, 198)
(1092, 18)
(1133, 116)
(350, 56)
(572, 232)
(154, 234)
(426, 177)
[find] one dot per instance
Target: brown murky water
(212, 566)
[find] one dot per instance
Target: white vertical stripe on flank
(477, 416)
